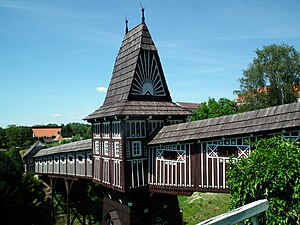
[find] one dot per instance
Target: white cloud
(101, 89)
(57, 115)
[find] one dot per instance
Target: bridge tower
(136, 106)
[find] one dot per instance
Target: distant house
(49, 134)
(240, 100)
(189, 106)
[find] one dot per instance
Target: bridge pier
(141, 208)
(69, 196)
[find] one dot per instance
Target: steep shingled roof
(273, 118)
(126, 62)
(129, 93)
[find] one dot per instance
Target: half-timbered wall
(200, 165)
(69, 164)
(135, 150)
(170, 167)
(214, 156)
(107, 153)
(113, 163)
(80, 164)
(62, 164)
(50, 164)
(89, 164)
(56, 164)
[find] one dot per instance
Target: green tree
(3, 139)
(271, 79)
(19, 136)
(271, 172)
(77, 129)
(22, 199)
(213, 108)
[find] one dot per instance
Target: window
(97, 147)
(116, 132)
(226, 151)
(136, 148)
(96, 129)
(105, 129)
(117, 148)
(171, 122)
(135, 129)
(171, 153)
(106, 171)
(106, 148)
(155, 125)
(117, 176)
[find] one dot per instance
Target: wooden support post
(68, 189)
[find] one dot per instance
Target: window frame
(136, 152)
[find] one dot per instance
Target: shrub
(271, 172)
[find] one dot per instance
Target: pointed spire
(143, 13)
(126, 25)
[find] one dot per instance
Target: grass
(196, 208)
(203, 206)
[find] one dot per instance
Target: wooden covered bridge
(144, 151)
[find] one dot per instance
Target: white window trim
(116, 129)
(97, 147)
(133, 134)
(106, 148)
(106, 130)
(116, 153)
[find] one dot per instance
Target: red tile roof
(46, 132)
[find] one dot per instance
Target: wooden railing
(237, 216)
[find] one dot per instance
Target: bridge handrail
(240, 214)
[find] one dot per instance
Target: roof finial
(143, 13)
(126, 26)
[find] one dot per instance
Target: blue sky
(57, 57)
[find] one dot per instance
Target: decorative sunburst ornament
(147, 79)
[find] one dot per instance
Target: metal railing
(237, 216)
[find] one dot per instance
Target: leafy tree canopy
(18, 136)
(22, 199)
(77, 129)
(271, 79)
(271, 172)
(21, 136)
(213, 108)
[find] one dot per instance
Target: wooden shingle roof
(145, 108)
(274, 118)
(126, 62)
(36, 146)
(124, 95)
(70, 147)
